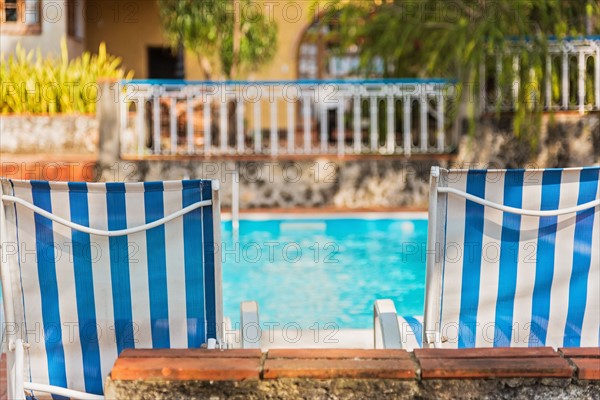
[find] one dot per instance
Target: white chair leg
(249, 324)
(433, 340)
(10, 371)
(385, 325)
(226, 343)
(18, 367)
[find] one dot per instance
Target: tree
(455, 39)
(229, 37)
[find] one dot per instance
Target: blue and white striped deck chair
(91, 269)
(513, 260)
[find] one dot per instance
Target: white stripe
(521, 211)
(38, 362)
(454, 258)
(91, 231)
(175, 270)
(138, 270)
(591, 319)
(526, 265)
(65, 278)
(103, 296)
(563, 260)
(490, 262)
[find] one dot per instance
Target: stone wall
(565, 140)
(53, 135)
(360, 184)
(378, 182)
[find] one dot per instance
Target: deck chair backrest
(504, 267)
(79, 298)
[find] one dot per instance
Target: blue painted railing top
(391, 81)
(554, 38)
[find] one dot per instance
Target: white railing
(283, 118)
(570, 63)
(400, 116)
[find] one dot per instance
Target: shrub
(31, 83)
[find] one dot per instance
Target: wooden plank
(185, 369)
(589, 352)
(504, 352)
(587, 368)
(190, 353)
(335, 369)
(338, 354)
(469, 368)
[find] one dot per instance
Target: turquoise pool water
(324, 271)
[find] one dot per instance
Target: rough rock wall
(57, 134)
(355, 389)
(566, 140)
(375, 183)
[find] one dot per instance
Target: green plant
(454, 39)
(35, 84)
(223, 37)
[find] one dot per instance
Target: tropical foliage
(464, 39)
(229, 37)
(35, 84)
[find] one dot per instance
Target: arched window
(320, 55)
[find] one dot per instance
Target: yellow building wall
(129, 27)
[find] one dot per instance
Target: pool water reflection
(315, 272)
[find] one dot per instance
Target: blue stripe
(44, 238)
(119, 266)
(544, 268)
(582, 258)
(84, 289)
(157, 266)
(469, 299)
(417, 329)
(194, 283)
(509, 259)
(209, 262)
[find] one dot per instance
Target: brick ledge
(539, 363)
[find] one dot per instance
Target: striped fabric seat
(520, 268)
(81, 297)
(513, 260)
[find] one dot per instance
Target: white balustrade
(245, 118)
(564, 58)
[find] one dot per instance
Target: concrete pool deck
(309, 339)
(259, 214)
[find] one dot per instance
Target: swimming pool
(327, 271)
